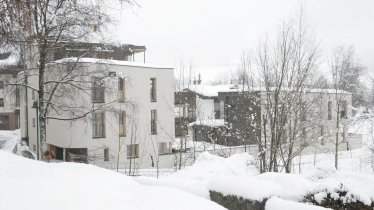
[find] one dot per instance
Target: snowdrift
(29, 184)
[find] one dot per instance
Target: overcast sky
(211, 34)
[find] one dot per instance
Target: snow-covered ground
(30, 184)
(40, 185)
(11, 141)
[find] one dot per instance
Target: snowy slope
(29, 184)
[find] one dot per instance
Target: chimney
(199, 81)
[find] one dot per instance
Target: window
(17, 97)
(98, 124)
(164, 148)
(303, 113)
(153, 121)
(329, 110)
(133, 151)
(1, 102)
(122, 123)
(343, 108)
(121, 89)
(33, 122)
(1, 84)
(97, 90)
(34, 147)
(192, 112)
(322, 133)
(4, 122)
(106, 154)
(153, 89)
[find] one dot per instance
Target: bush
(233, 202)
(337, 200)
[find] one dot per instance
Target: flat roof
(109, 62)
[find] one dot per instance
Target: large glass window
(98, 90)
(98, 124)
(133, 151)
(164, 147)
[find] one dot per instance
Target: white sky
(211, 34)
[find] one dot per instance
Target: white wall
(78, 134)
(204, 109)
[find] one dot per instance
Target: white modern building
(124, 111)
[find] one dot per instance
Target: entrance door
(59, 153)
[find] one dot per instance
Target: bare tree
(42, 27)
(345, 73)
(284, 67)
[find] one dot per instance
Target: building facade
(132, 119)
(241, 117)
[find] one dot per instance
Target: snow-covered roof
(110, 62)
(213, 90)
(210, 123)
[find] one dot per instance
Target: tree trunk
(337, 137)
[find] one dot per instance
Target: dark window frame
(96, 125)
(132, 151)
(106, 154)
(122, 124)
(97, 92)
(121, 89)
(153, 122)
(153, 89)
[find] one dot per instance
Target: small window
(153, 89)
(1, 102)
(153, 122)
(329, 110)
(133, 151)
(106, 154)
(303, 113)
(121, 89)
(98, 124)
(18, 96)
(98, 90)
(122, 123)
(322, 134)
(33, 122)
(1, 84)
(164, 148)
(343, 109)
(34, 147)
